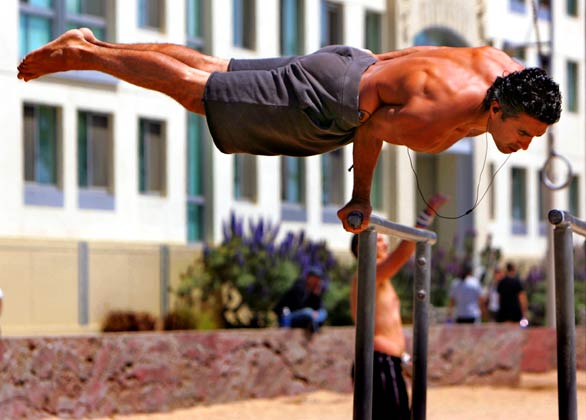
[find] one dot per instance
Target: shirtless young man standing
(390, 399)
(425, 98)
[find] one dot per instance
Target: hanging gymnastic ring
(548, 182)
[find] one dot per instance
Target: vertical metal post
(364, 342)
(565, 321)
(164, 279)
(421, 289)
(83, 283)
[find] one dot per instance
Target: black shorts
(390, 399)
(295, 106)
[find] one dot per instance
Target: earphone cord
(477, 201)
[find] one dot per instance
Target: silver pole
(565, 317)
(364, 351)
(364, 342)
(421, 289)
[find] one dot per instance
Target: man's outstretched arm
(365, 155)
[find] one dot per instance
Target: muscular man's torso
(428, 100)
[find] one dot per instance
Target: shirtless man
(389, 394)
(425, 98)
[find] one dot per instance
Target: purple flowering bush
(244, 276)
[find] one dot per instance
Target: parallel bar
(565, 223)
(364, 344)
(164, 256)
(557, 217)
(83, 283)
(421, 292)
(402, 232)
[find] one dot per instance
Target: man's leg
(145, 68)
(182, 53)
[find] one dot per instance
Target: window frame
(37, 193)
(293, 210)
(245, 178)
(519, 200)
(196, 195)
(332, 165)
(297, 26)
(145, 153)
(92, 196)
(244, 24)
(329, 35)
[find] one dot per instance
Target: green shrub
(249, 271)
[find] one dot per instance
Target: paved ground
(535, 399)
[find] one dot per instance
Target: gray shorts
(294, 106)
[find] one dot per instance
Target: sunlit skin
(425, 98)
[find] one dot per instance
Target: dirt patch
(535, 399)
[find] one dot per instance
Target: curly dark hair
(530, 91)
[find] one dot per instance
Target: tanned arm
(388, 267)
(365, 154)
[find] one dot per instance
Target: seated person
(301, 305)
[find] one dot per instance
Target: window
(332, 27)
(572, 86)
(291, 27)
(195, 177)
(151, 14)
(373, 35)
(43, 20)
(243, 23)
(544, 9)
(245, 177)
(94, 161)
(332, 164)
(574, 197)
(492, 193)
(152, 157)
(517, 6)
(543, 224)
(41, 156)
(293, 188)
(572, 7)
(195, 24)
(376, 191)
(519, 201)
(515, 51)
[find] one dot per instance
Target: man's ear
(495, 107)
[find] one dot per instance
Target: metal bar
(557, 217)
(164, 279)
(364, 344)
(421, 291)
(83, 283)
(565, 317)
(402, 232)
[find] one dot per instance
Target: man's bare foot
(58, 55)
(89, 36)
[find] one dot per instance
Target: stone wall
(104, 374)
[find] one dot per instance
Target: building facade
(110, 190)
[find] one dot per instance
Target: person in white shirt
(466, 296)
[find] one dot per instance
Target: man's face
(514, 133)
(382, 248)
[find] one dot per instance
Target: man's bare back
(441, 89)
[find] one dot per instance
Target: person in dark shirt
(512, 298)
(301, 305)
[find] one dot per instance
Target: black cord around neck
(477, 201)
